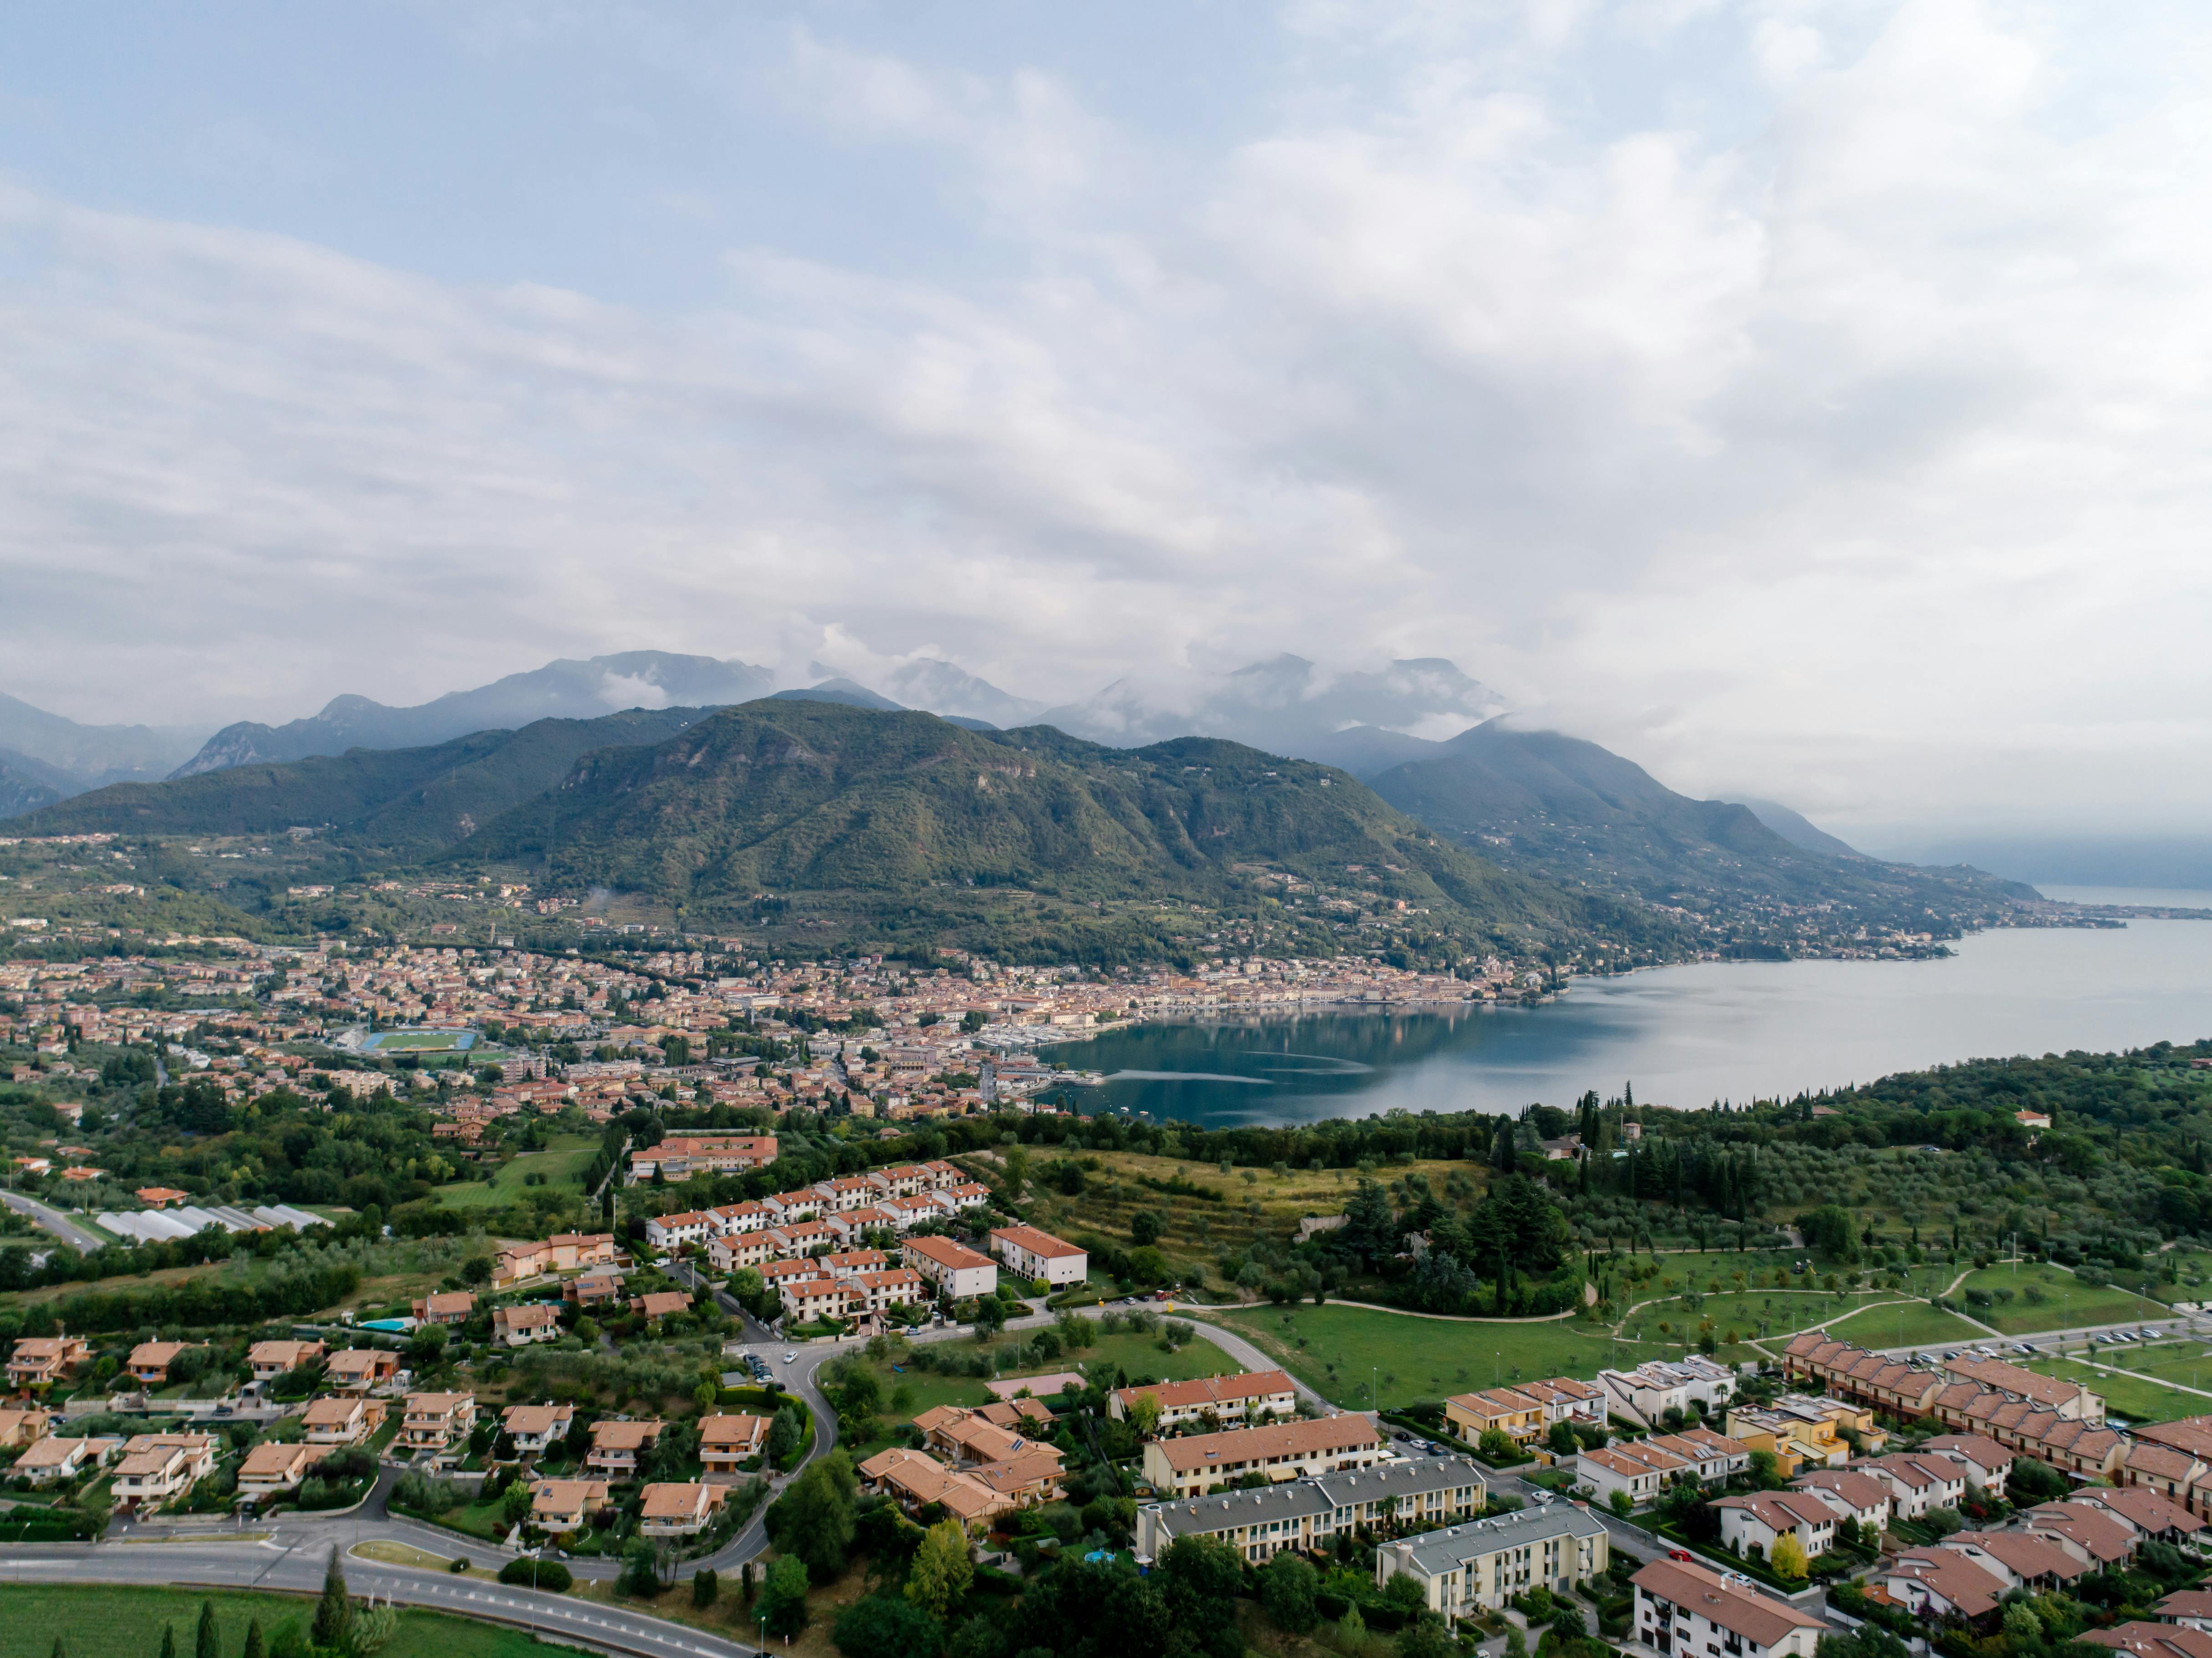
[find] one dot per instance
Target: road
(51, 1219)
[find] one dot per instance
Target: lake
(1683, 1035)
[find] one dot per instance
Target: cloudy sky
(1806, 396)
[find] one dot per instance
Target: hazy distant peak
(943, 688)
(1798, 831)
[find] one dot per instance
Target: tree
(1788, 1557)
(784, 1433)
(2021, 1626)
(60, 1651)
(1144, 1414)
(705, 1587)
(941, 1571)
(1427, 1638)
(1562, 1439)
(1200, 1578)
(881, 1626)
(978, 1638)
(1498, 1445)
(208, 1643)
(168, 1641)
(1286, 1591)
(813, 1519)
(640, 1572)
(1145, 1228)
(1621, 1503)
(254, 1649)
(334, 1611)
(783, 1598)
(1352, 1627)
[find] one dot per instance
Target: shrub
(530, 1572)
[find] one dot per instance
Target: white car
(790, 1357)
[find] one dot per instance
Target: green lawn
(2137, 1398)
(113, 1621)
(2067, 1301)
(1910, 1324)
(562, 1164)
(1332, 1348)
(1761, 1312)
(1131, 1355)
(1701, 1269)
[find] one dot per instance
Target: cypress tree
(332, 1612)
(210, 1643)
(60, 1651)
(253, 1647)
(168, 1641)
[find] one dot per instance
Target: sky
(1805, 398)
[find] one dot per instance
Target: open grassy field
(562, 1164)
(1761, 1313)
(2188, 1363)
(113, 1620)
(2066, 1303)
(2136, 1398)
(1907, 1324)
(1332, 1348)
(908, 1392)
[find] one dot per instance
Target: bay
(1684, 1036)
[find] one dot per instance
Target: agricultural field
(1331, 1348)
(908, 1392)
(2033, 1296)
(1245, 1204)
(117, 1621)
(562, 1165)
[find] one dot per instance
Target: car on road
(1681, 1554)
(1404, 1436)
(791, 1359)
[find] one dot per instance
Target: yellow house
(1510, 1412)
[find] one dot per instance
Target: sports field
(420, 1041)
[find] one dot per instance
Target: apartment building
(1647, 1393)
(1684, 1610)
(1309, 1514)
(1481, 1564)
(1286, 1450)
(679, 1157)
(674, 1231)
(564, 1252)
(951, 1269)
(1029, 1254)
(1227, 1399)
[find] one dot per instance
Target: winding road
(48, 1218)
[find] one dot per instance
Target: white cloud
(1816, 409)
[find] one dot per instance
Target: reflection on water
(1683, 1035)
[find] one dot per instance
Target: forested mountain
(405, 802)
(1566, 809)
(565, 689)
(818, 797)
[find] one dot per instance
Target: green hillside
(1570, 811)
(892, 810)
(406, 802)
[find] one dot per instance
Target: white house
(1759, 1520)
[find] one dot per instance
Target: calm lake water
(1682, 1035)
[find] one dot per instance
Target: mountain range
(565, 689)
